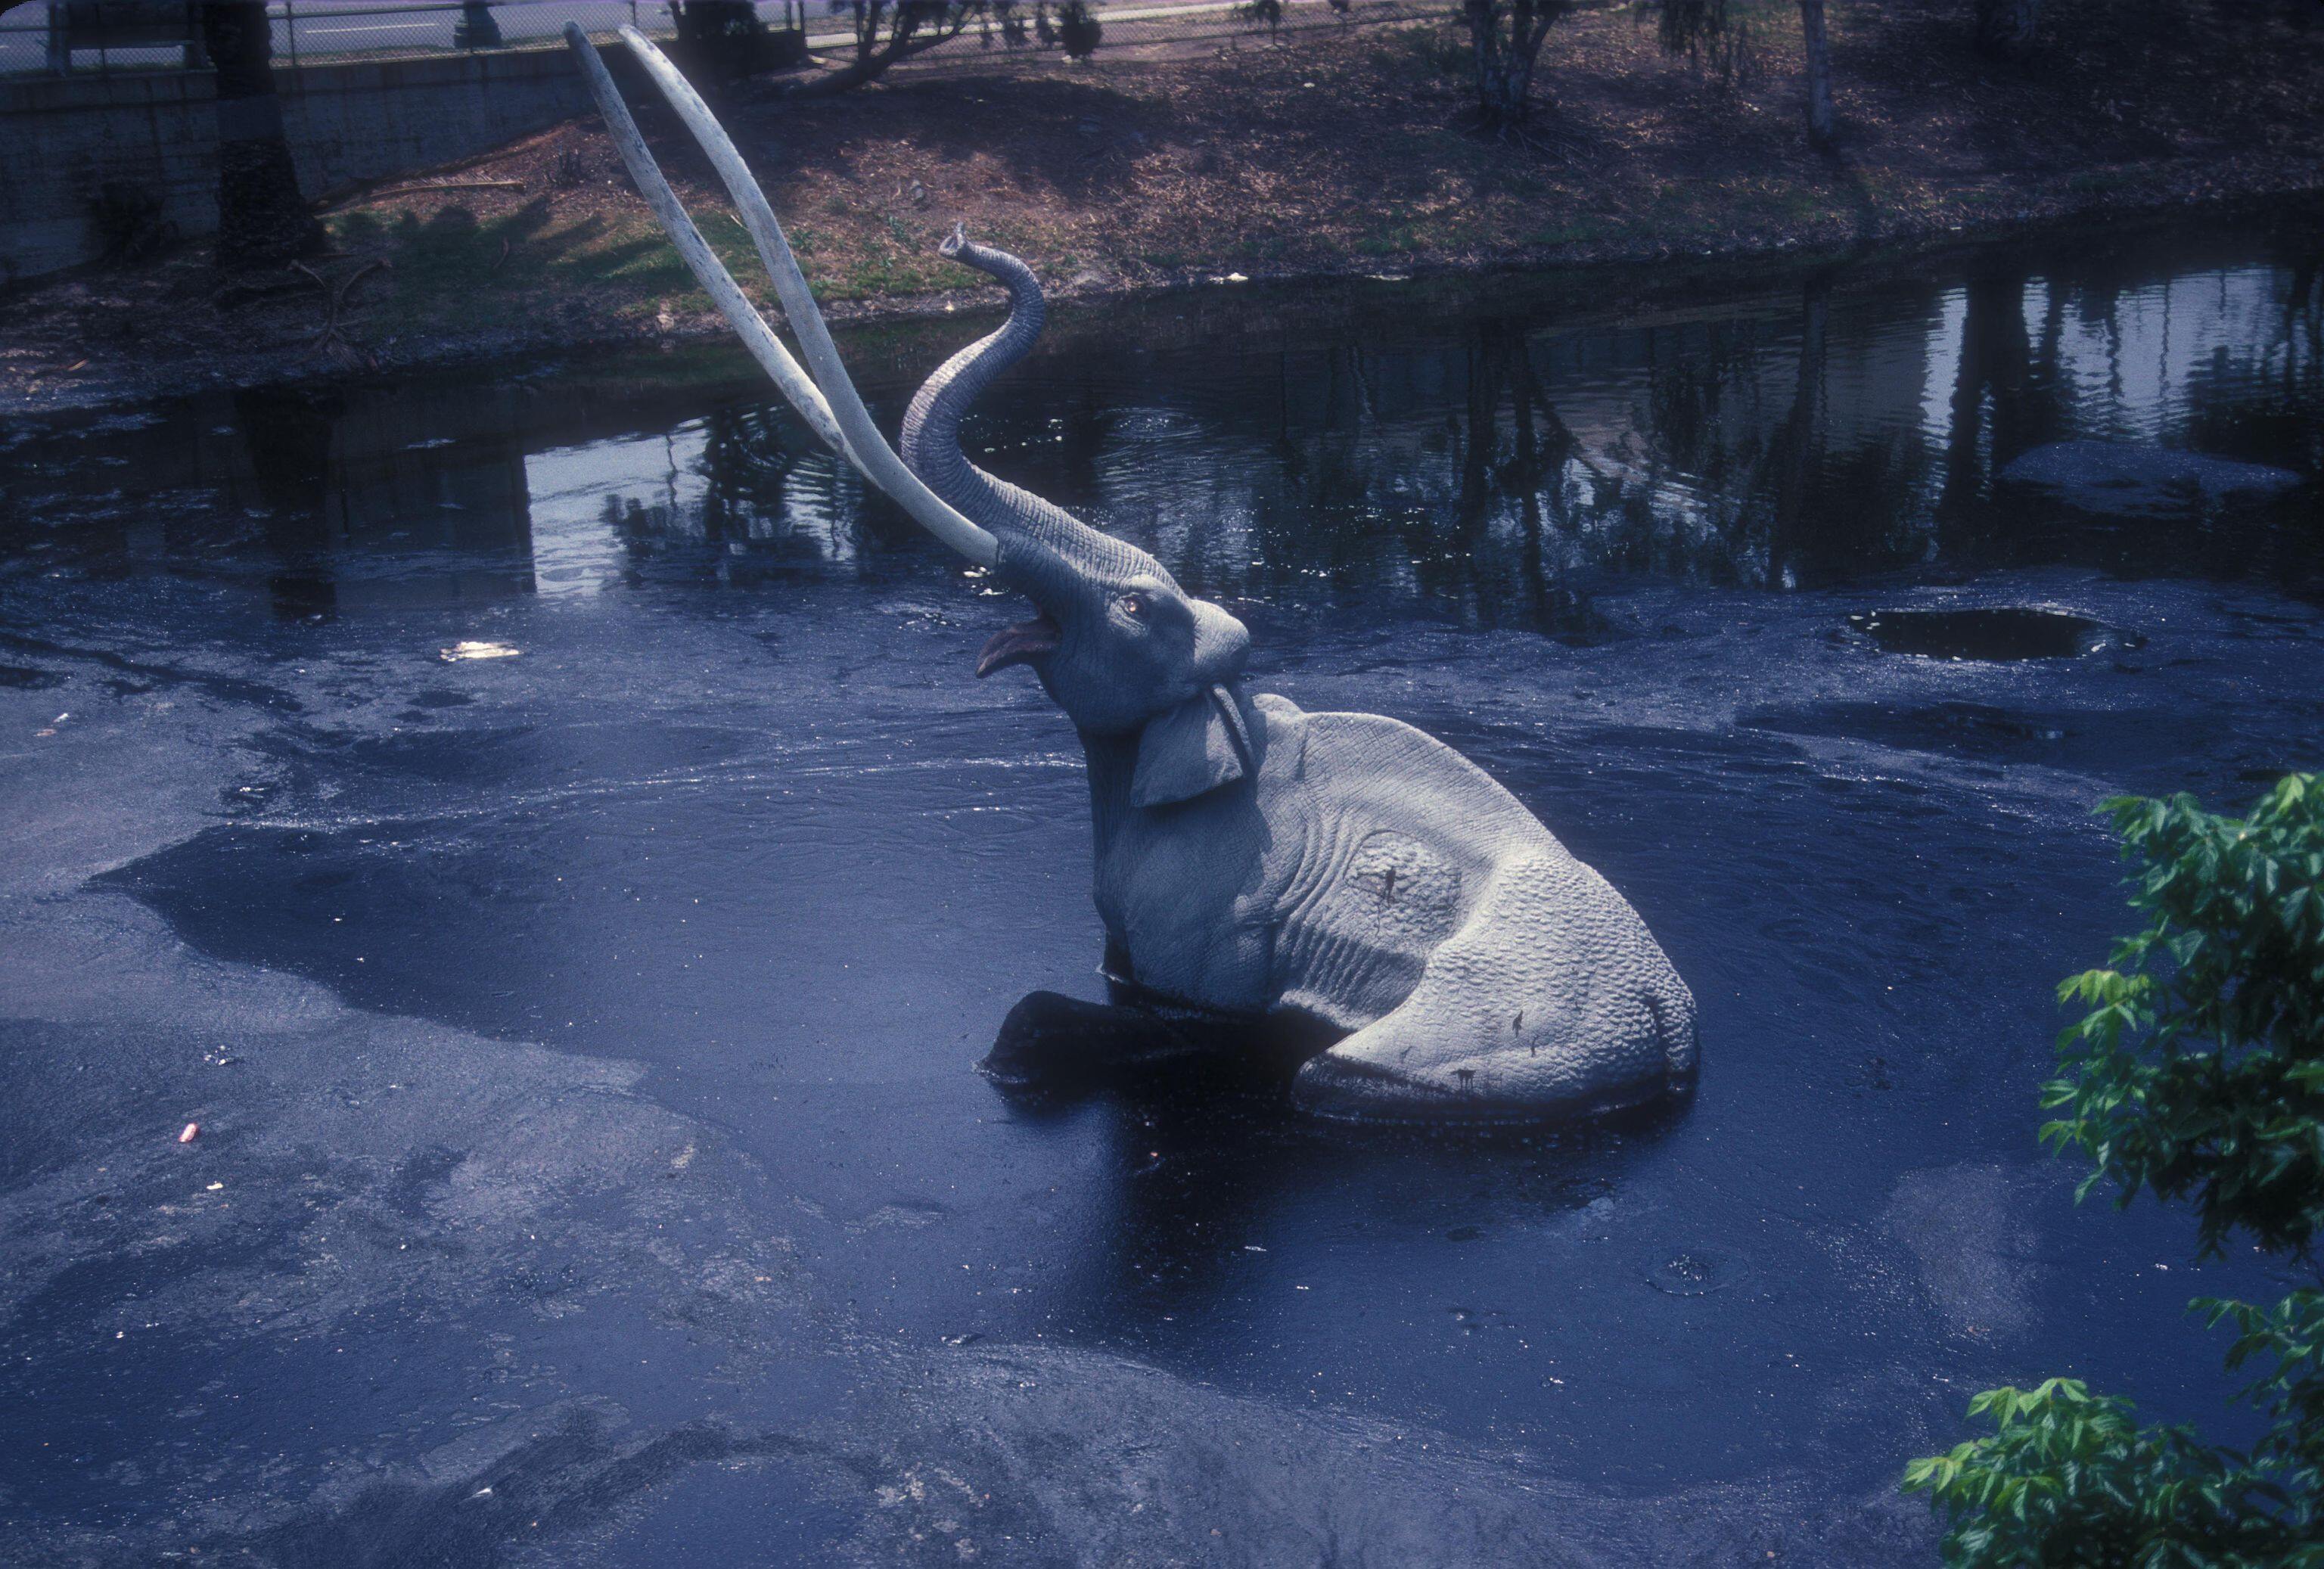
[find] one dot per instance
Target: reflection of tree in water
(287, 435)
(2257, 400)
(768, 497)
(1504, 472)
(1380, 487)
(1718, 471)
(2250, 396)
(2007, 398)
(1066, 456)
(2257, 403)
(1518, 473)
(1334, 501)
(1690, 500)
(1831, 514)
(745, 462)
(1453, 475)
(1701, 416)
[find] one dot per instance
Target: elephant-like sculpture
(1253, 860)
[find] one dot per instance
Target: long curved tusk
(707, 269)
(865, 445)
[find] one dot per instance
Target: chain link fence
(1147, 24)
(78, 36)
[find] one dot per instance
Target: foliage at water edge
(2196, 1071)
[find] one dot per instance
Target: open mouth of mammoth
(1015, 645)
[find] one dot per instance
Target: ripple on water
(1694, 1271)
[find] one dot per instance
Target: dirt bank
(1332, 156)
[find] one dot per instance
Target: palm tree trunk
(263, 220)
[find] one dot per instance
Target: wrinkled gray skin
(1256, 859)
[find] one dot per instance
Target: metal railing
(135, 35)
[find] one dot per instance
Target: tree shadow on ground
(1052, 134)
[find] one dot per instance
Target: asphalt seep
(369, 1205)
(374, 1207)
(2010, 631)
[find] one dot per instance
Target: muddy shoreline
(1138, 182)
(1604, 282)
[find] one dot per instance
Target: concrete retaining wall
(62, 140)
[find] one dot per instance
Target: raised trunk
(930, 441)
(1818, 58)
(2004, 28)
(263, 220)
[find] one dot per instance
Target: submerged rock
(2127, 478)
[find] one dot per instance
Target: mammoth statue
(1253, 861)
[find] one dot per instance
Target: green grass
(455, 272)
(1394, 238)
(1571, 231)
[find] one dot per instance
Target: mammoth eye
(1135, 603)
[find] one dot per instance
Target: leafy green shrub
(2196, 1071)
(2199, 1067)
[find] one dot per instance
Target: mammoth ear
(1193, 749)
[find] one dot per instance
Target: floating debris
(193, 1131)
(478, 651)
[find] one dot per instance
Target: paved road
(310, 29)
